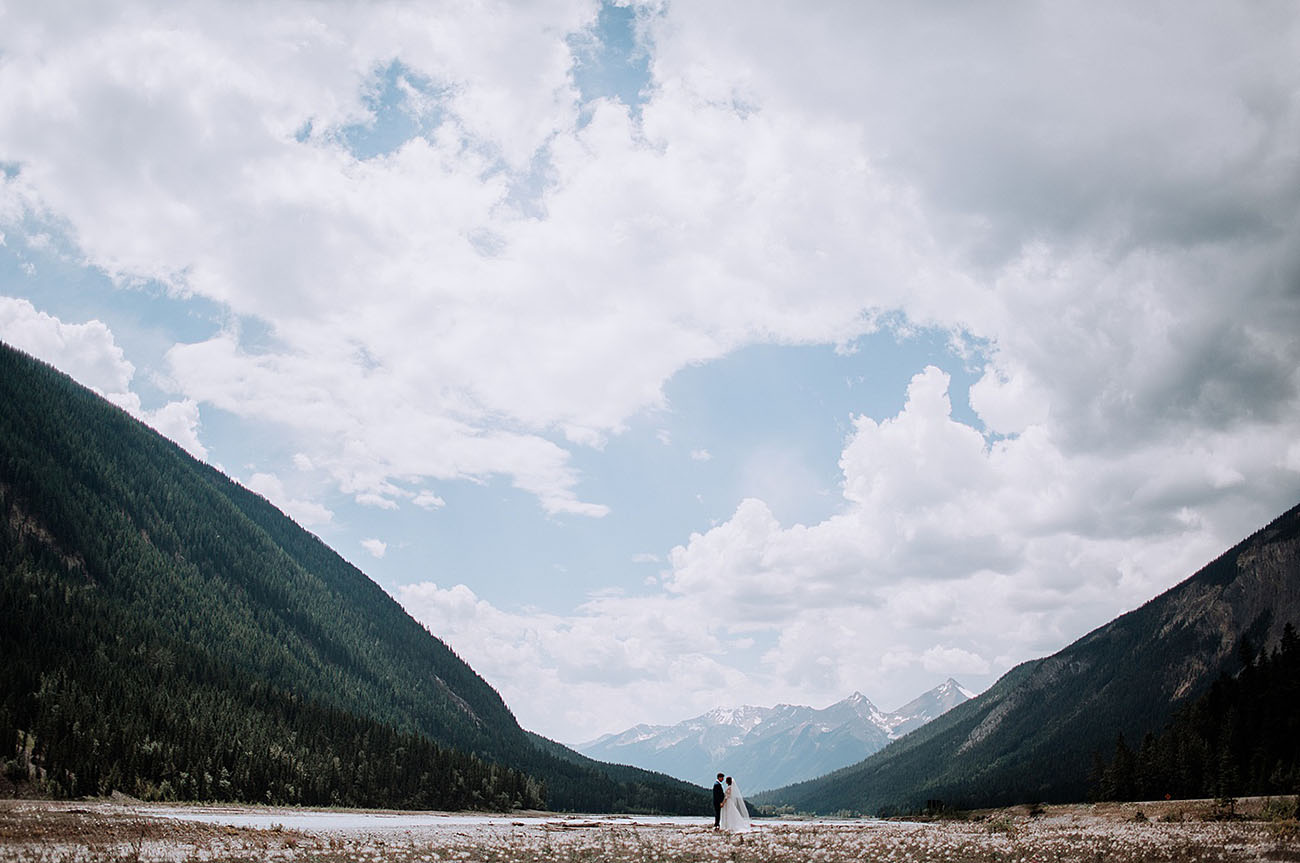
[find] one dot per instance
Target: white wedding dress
(735, 817)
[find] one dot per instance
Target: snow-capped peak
(773, 746)
(951, 685)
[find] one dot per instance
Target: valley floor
(98, 832)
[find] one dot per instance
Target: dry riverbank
(99, 832)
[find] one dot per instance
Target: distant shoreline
(258, 816)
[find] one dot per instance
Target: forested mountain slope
(1033, 735)
(169, 633)
(1242, 738)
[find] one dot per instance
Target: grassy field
(91, 832)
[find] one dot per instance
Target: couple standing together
(729, 811)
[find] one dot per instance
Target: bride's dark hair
(728, 780)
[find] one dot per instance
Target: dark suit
(718, 795)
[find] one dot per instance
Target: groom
(718, 795)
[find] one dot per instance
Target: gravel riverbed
(97, 832)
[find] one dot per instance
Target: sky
(672, 355)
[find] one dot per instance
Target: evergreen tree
(1238, 739)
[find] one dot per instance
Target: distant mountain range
(172, 635)
(1043, 728)
(772, 746)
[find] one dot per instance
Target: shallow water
(342, 821)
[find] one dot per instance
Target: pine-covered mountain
(169, 634)
(1237, 740)
(772, 746)
(1033, 736)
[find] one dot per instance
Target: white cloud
(375, 547)
(584, 673)
(428, 500)
(953, 660)
(1009, 400)
(86, 351)
(91, 356)
(178, 420)
(947, 550)
(307, 513)
(701, 455)
(247, 202)
(378, 501)
(1068, 213)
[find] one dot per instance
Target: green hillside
(170, 634)
(1242, 738)
(1033, 735)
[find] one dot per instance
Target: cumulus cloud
(86, 351)
(306, 512)
(580, 674)
(552, 331)
(286, 225)
(178, 420)
(1070, 217)
(89, 353)
(377, 548)
(378, 501)
(428, 500)
(953, 554)
(953, 660)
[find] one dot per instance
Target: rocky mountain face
(1036, 734)
(772, 746)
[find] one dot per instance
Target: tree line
(95, 702)
(1240, 738)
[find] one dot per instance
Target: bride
(735, 816)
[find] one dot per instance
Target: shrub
(1278, 809)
